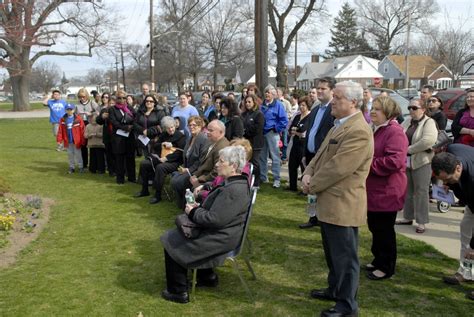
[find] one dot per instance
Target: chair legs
(236, 267)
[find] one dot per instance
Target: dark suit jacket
(326, 124)
(207, 164)
(191, 161)
(465, 189)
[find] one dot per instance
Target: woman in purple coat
(386, 186)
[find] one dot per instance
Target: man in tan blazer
(337, 175)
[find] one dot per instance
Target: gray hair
(167, 122)
(234, 155)
(271, 89)
(220, 124)
(352, 91)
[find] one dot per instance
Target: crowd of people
(349, 149)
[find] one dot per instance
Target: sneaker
(276, 184)
(71, 170)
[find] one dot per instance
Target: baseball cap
(70, 106)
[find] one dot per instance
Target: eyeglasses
(149, 101)
(414, 108)
(433, 100)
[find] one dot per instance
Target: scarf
(124, 108)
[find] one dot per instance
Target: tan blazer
(423, 139)
(207, 163)
(338, 173)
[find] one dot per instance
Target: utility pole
(117, 72)
(152, 61)
(123, 68)
(407, 55)
(296, 56)
(261, 43)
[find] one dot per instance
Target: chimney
(315, 58)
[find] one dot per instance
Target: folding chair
(234, 254)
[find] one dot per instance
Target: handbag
(187, 227)
(442, 140)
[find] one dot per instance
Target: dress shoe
(181, 298)
(210, 281)
(373, 277)
(369, 267)
(321, 294)
(332, 312)
(455, 279)
(154, 200)
(312, 222)
(141, 194)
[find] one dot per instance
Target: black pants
(110, 158)
(177, 276)
(256, 166)
(158, 174)
(340, 250)
(85, 156)
(125, 162)
(296, 155)
(97, 160)
(384, 240)
(180, 182)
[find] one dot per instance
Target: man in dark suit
(455, 167)
(337, 175)
(319, 124)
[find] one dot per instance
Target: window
(385, 68)
(359, 65)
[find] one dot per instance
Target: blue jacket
(275, 116)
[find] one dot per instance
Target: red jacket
(387, 180)
(78, 128)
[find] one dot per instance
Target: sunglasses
(105, 97)
(121, 98)
(149, 101)
(414, 108)
(81, 97)
(433, 100)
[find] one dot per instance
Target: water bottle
(311, 207)
(189, 196)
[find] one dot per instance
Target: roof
(420, 66)
(245, 73)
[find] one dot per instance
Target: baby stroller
(444, 139)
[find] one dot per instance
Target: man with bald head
(207, 164)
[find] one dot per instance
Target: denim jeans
(270, 147)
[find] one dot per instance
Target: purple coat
(387, 180)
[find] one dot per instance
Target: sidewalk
(24, 114)
(442, 232)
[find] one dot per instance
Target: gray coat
(221, 217)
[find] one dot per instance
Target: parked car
(408, 93)
(454, 99)
(402, 102)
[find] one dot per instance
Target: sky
(135, 30)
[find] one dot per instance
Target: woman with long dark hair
(234, 127)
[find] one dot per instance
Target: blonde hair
(83, 91)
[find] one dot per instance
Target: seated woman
(201, 192)
(193, 150)
(158, 165)
(220, 219)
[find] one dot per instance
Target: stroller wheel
(443, 207)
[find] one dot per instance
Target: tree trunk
(20, 89)
(214, 72)
(195, 80)
(281, 68)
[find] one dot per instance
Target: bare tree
(44, 76)
(220, 30)
(95, 76)
(280, 17)
(384, 20)
(32, 29)
(139, 55)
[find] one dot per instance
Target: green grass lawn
(100, 255)
(8, 106)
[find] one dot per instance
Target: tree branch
(50, 53)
